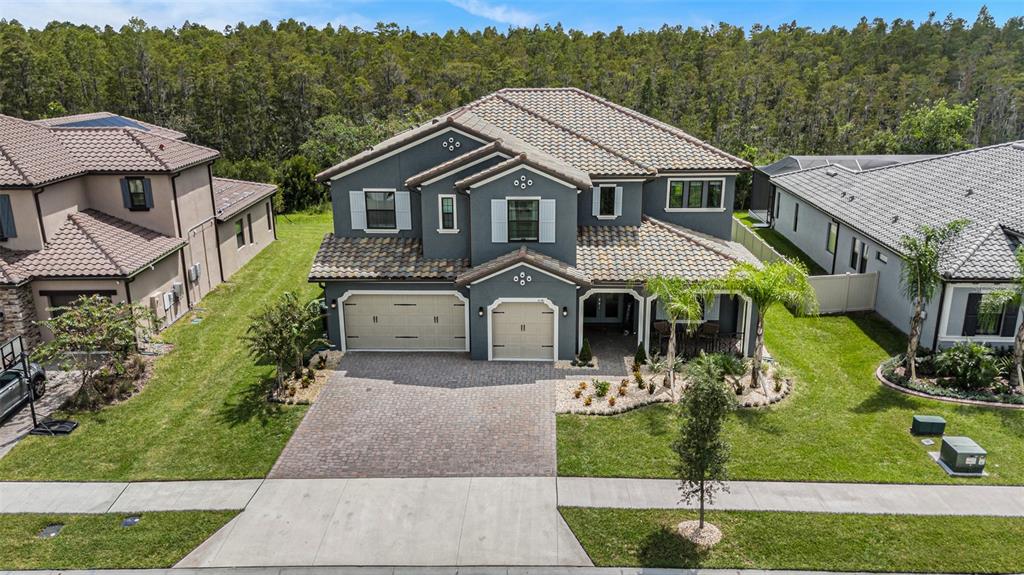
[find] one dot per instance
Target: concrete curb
(923, 395)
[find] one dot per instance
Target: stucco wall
(104, 194)
(545, 188)
(59, 200)
(716, 223)
(391, 173)
(262, 235)
(449, 245)
(42, 302)
(557, 291)
(632, 205)
(26, 221)
(811, 235)
(154, 282)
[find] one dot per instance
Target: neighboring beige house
(103, 204)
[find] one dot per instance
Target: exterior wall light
(480, 311)
(565, 311)
(334, 303)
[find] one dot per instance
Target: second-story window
(523, 220)
(239, 234)
(695, 194)
(446, 213)
(380, 211)
(137, 194)
(606, 202)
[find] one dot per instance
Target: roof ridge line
(692, 239)
(943, 156)
(103, 251)
(14, 163)
(128, 131)
(974, 248)
(658, 124)
(587, 139)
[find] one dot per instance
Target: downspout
(181, 252)
(39, 214)
(835, 252)
(216, 225)
(938, 317)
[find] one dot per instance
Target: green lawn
(204, 415)
(832, 542)
(781, 244)
(99, 541)
(839, 424)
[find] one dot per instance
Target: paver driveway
(426, 415)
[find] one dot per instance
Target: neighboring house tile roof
(33, 155)
(390, 258)
(91, 244)
(984, 186)
(233, 196)
(854, 163)
(524, 255)
(633, 253)
(570, 127)
(108, 120)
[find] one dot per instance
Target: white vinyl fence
(846, 292)
(741, 234)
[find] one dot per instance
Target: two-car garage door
(384, 321)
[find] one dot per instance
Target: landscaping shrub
(639, 377)
(601, 387)
(971, 365)
(586, 356)
(640, 357)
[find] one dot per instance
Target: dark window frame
(796, 216)
(446, 219)
(239, 233)
(720, 193)
(270, 217)
(515, 224)
(675, 194)
(248, 220)
(832, 238)
(601, 201)
(381, 218)
(136, 197)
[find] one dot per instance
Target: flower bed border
(976, 402)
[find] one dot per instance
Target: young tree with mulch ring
(703, 451)
(922, 255)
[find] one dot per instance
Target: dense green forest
(263, 93)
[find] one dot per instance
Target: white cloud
(496, 12)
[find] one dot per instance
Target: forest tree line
(282, 101)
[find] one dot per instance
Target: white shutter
(618, 201)
(597, 201)
(357, 207)
(403, 212)
(547, 221)
(499, 221)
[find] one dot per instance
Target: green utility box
(928, 425)
(962, 455)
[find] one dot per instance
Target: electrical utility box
(962, 455)
(928, 425)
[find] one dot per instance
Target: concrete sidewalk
(812, 497)
(446, 570)
(61, 497)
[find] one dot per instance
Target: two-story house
(516, 225)
(103, 204)
(849, 217)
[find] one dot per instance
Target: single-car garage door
(523, 330)
(385, 322)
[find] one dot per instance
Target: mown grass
(807, 541)
(781, 244)
(99, 541)
(204, 414)
(839, 424)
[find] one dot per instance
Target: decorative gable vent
(522, 183)
(451, 144)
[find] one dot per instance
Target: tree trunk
(700, 525)
(671, 358)
(915, 338)
(1018, 357)
(755, 364)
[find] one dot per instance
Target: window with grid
(447, 212)
(606, 205)
(523, 220)
(137, 194)
(380, 211)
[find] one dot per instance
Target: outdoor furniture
(928, 425)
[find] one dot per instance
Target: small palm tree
(922, 255)
(993, 304)
(781, 282)
(682, 301)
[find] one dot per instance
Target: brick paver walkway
(427, 415)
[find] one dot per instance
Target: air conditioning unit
(168, 299)
(178, 289)
(195, 272)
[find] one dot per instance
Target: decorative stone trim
(19, 315)
(977, 402)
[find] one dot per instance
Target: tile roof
(523, 255)
(854, 163)
(33, 155)
(632, 253)
(457, 162)
(108, 120)
(570, 127)
(380, 258)
(233, 196)
(523, 160)
(984, 186)
(92, 244)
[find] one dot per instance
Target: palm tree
(993, 304)
(922, 255)
(682, 301)
(781, 282)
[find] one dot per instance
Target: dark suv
(14, 387)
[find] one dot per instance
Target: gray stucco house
(516, 225)
(850, 220)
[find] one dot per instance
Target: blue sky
(441, 15)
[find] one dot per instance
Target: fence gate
(845, 292)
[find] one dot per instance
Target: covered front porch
(723, 329)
